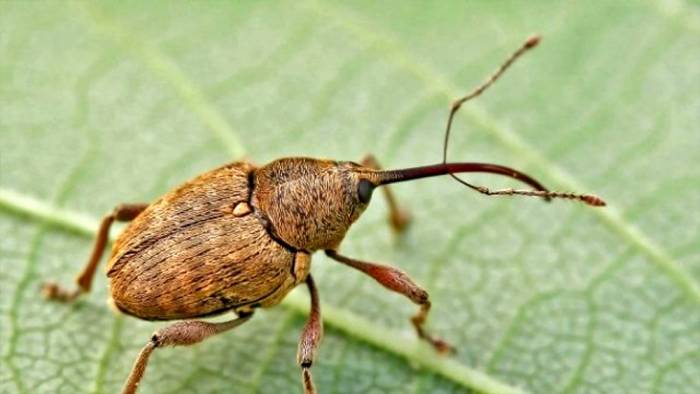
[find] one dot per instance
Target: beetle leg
(121, 213)
(310, 338)
(398, 281)
(399, 218)
(183, 333)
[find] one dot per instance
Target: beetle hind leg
(399, 218)
(183, 333)
(122, 213)
(310, 338)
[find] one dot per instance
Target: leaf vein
(167, 70)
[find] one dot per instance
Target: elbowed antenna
(445, 168)
(457, 104)
(407, 174)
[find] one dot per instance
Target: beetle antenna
(528, 44)
(452, 168)
(445, 168)
(406, 174)
(457, 104)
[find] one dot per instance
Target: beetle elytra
(240, 237)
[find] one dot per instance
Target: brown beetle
(241, 237)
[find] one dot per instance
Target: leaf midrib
(167, 70)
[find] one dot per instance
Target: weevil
(240, 237)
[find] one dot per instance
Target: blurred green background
(102, 103)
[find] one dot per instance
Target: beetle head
(309, 203)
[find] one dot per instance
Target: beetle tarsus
(54, 292)
(418, 320)
(139, 368)
(311, 336)
(307, 381)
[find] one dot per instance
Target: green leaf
(103, 103)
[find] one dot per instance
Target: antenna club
(593, 200)
(533, 41)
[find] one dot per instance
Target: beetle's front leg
(182, 333)
(122, 213)
(397, 280)
(310, 338)
(399, 218)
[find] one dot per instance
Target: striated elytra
(240, 237)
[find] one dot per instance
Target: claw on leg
(418, 321)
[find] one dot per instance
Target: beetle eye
(364, 190)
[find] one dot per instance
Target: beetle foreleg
(182, 333)
(399, 218)
(310, 338)
(398, 281)
(121, 213)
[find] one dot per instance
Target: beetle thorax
(307, 203)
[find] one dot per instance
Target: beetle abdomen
(207, 274)
(188, 255)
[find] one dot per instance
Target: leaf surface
(105, 103)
